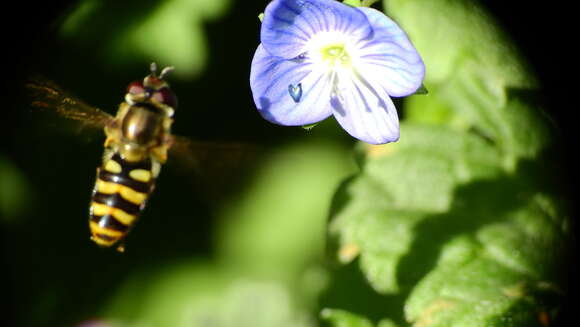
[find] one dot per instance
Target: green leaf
(455, 35)
(439, 221)
(479, 83)
(342, 318)
(458, 223)
(385, 202)
(352, 3)
(266, 270)
(275, 226)
(15, 192)
(171, 32)
(201, 294)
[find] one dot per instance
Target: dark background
(546, 32)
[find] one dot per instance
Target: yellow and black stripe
(119, 196)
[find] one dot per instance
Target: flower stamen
(335, 55)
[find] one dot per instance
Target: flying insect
(138, 139)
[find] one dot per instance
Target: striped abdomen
(119, 196)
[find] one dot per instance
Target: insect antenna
(153, 69)
(164, 71)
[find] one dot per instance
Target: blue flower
(321, 57)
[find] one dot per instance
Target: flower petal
(364, 109)
(289, 24)
(289, 92)
(390, 56)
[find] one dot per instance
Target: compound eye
(166, 96)
(136, 88)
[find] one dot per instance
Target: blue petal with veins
(321, 57)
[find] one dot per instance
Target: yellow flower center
(335, 55)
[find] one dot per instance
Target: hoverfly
(138, 139)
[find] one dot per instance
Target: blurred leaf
(352, 3)
(162, 296)
(14, 191)
(266, 272)
(203, 295)
(457, 34)
(260, 304)
(169, 32)
(274, 227)
(341, 318)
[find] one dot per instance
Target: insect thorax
(139, 131)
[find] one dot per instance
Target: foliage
(170, 31)
(266, 271)
(14, 191)
(458, 220)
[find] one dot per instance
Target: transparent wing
(213, 168)
(46, 95)
(217, 168)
